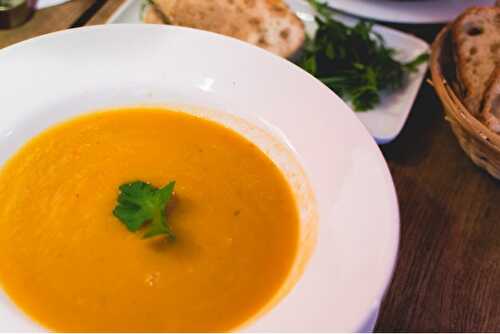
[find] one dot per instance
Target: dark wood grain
(105, 12)
(448, 272)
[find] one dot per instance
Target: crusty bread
(476, 39)
(490, 114)
(269, 24)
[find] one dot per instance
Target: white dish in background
(40, 4)
(80, 70)
(387, 119)
(409, 11)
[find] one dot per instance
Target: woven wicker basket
(480, 143)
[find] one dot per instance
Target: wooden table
(448, 273)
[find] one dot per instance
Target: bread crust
(269, 24)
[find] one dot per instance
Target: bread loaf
(476, 39)
(269, 24)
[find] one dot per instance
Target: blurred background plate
(40, 4)
(407, 11)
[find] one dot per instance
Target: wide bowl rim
(390, 264)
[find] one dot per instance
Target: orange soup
(71, 265)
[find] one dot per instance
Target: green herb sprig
(139, 203)
(353, 61)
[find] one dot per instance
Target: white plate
(55, 76)
(40, 4)
(387, 119)
(407, 11)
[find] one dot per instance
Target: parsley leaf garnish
(354, 61)
(139, 202)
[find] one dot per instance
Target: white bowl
(52, 77)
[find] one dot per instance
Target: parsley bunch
(353, 61)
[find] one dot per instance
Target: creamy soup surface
(69, 264)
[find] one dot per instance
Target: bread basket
(480, 143)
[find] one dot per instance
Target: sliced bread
(476, 39)
(269, 24)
